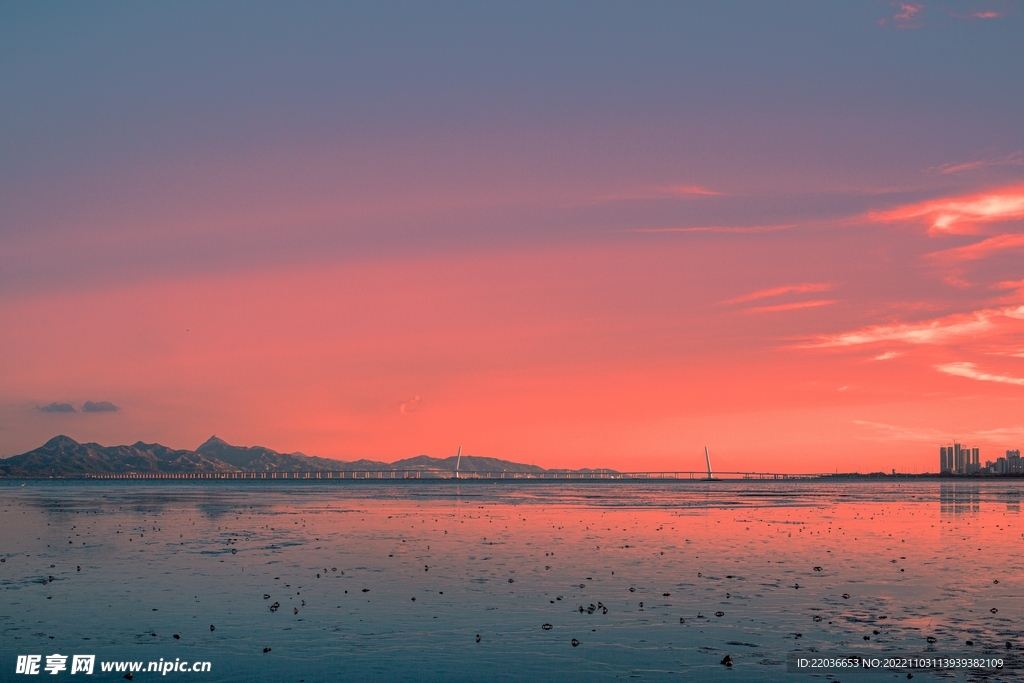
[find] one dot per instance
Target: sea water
(511, 580)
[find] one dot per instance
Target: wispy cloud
(1014, 291)
(411, 405)
(791, 306)
(778, 291)
(937, 331)
(888, 355)
(890, 432)
(736, 229)
(1012, 159)
(971, 371)
(1000, 433)
(959, 214)
(1016, 285)
(908, 15)
(982, 249)
(977, 14)
(659, 192)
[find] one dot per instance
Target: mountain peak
(213, 441)
(60, 440)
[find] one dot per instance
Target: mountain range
(62, 456)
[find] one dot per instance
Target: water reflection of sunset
(674, 574)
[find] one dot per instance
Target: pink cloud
(938, 331)
(908, 16)
(971, 371)
(410, 406)
(983, 249)
(1015, 286)
(721, 229)
(959, 214)
(777, 291)
(659, 192)
(978, 14)
(791, 306)
(891, 432)
(910, 11)
(1012, 159)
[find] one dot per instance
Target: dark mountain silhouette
(260, 459)
(62, 456)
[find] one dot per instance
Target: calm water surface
(425, 581)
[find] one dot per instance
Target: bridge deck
(338, 475)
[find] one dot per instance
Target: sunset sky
(569, 234)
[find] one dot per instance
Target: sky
(586, 234)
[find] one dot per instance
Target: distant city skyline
(957, 459)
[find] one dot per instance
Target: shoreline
(519, 478)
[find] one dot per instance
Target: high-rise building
(959, 459)
(945, 459)
(1014, 463)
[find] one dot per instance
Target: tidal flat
(511, 580)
